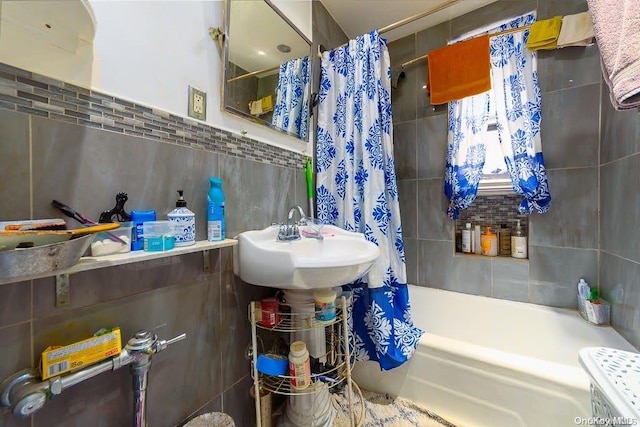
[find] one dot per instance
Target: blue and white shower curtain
(514, 86)
(356, 190)
(291, 110)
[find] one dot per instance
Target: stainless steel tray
(17, 263)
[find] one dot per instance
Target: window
(516, 102)
(495, 176)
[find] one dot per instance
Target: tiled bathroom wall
(327, 33)
(81, 147)
(620, 216)
(563, 244)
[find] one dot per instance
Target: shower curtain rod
(381, 30)
(253, 73)
(421, 15)
(405, 21)
(512, 30)
(418, 16)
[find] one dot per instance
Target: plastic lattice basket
(615, 382)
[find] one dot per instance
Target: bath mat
(388, 411)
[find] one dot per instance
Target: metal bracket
(63, 296)
(206, 263)
(217, 35)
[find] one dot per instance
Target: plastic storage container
(598, 312)
(138, 218)
(159, 236)
(270, 316)
(613, 374)
(325, 304)
(104, 244)
(591, 307)
(215, 211)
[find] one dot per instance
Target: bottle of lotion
(518, 243)
(489, 243)
(185, 222)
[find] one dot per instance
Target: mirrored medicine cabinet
(267, 67)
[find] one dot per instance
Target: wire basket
(596, 313)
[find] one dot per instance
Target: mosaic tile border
(494, 211)
(32, 93)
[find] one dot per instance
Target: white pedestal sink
(339, 258)
(298, 267)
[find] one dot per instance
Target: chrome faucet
(290, 231)
(292, 211)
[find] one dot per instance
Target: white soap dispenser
(185, 222)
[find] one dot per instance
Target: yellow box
(58, 360)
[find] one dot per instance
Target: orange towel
(459, 70)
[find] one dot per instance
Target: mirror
(267, 67)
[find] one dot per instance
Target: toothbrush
(83, 220)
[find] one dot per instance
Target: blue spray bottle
(215, 210)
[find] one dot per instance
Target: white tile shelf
(94, 263)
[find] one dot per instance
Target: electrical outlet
(197, 104)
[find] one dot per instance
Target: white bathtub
(489, 362)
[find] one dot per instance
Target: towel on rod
(267, 103)
(576, 30)
(459, 70)
(543, 35)
(255, 107)
(616, 25)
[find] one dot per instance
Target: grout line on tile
(573, 168)
(599, 187)
(14, 324)
(563, 247)
(621, 159)
(571, 87)
(621, 257)
(30, 138)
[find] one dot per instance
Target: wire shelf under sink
(292, 322)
